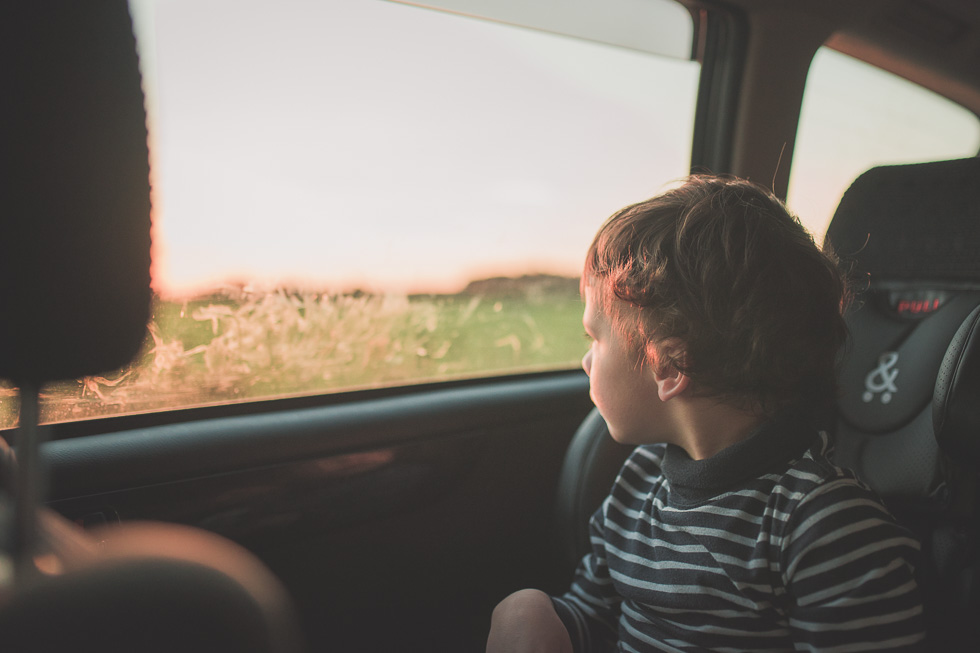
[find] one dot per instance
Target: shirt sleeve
(849, 572)
(590, 609)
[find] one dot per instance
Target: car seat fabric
(915, 221)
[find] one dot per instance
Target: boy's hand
(526, 622)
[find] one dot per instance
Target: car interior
(394, 517)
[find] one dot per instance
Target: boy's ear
(671, 382)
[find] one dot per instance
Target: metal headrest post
(29, 484)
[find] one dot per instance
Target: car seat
(908, 415)
(75, 296)
(913, 232)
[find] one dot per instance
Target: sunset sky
(342, 143)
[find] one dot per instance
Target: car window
(354, 194)
(856, 116)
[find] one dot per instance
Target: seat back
(148, 587)
(910, 236)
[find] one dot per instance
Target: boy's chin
(637, 437)
(631, 439)
(623, 434)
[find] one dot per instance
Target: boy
(715, 324)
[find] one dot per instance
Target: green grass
(259, 345)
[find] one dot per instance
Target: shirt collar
(768, 449)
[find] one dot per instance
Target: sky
(362, 143)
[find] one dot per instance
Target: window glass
(357, 193)
(856, 116)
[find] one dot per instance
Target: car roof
(935, 43)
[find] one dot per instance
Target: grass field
(238, 345)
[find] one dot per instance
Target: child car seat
(912, 233)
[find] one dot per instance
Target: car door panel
(390, 510)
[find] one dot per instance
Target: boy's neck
(705, 426)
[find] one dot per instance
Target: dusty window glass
(356, 193)
(856, 116)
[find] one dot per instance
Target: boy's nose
(587, 362)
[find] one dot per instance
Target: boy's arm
(849, 571)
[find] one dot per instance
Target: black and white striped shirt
(765, 546)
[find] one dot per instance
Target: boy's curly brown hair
(721, 265)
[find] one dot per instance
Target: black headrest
(918, 221)
(74, 249)
(955, 409)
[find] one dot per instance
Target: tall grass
(243, 345)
